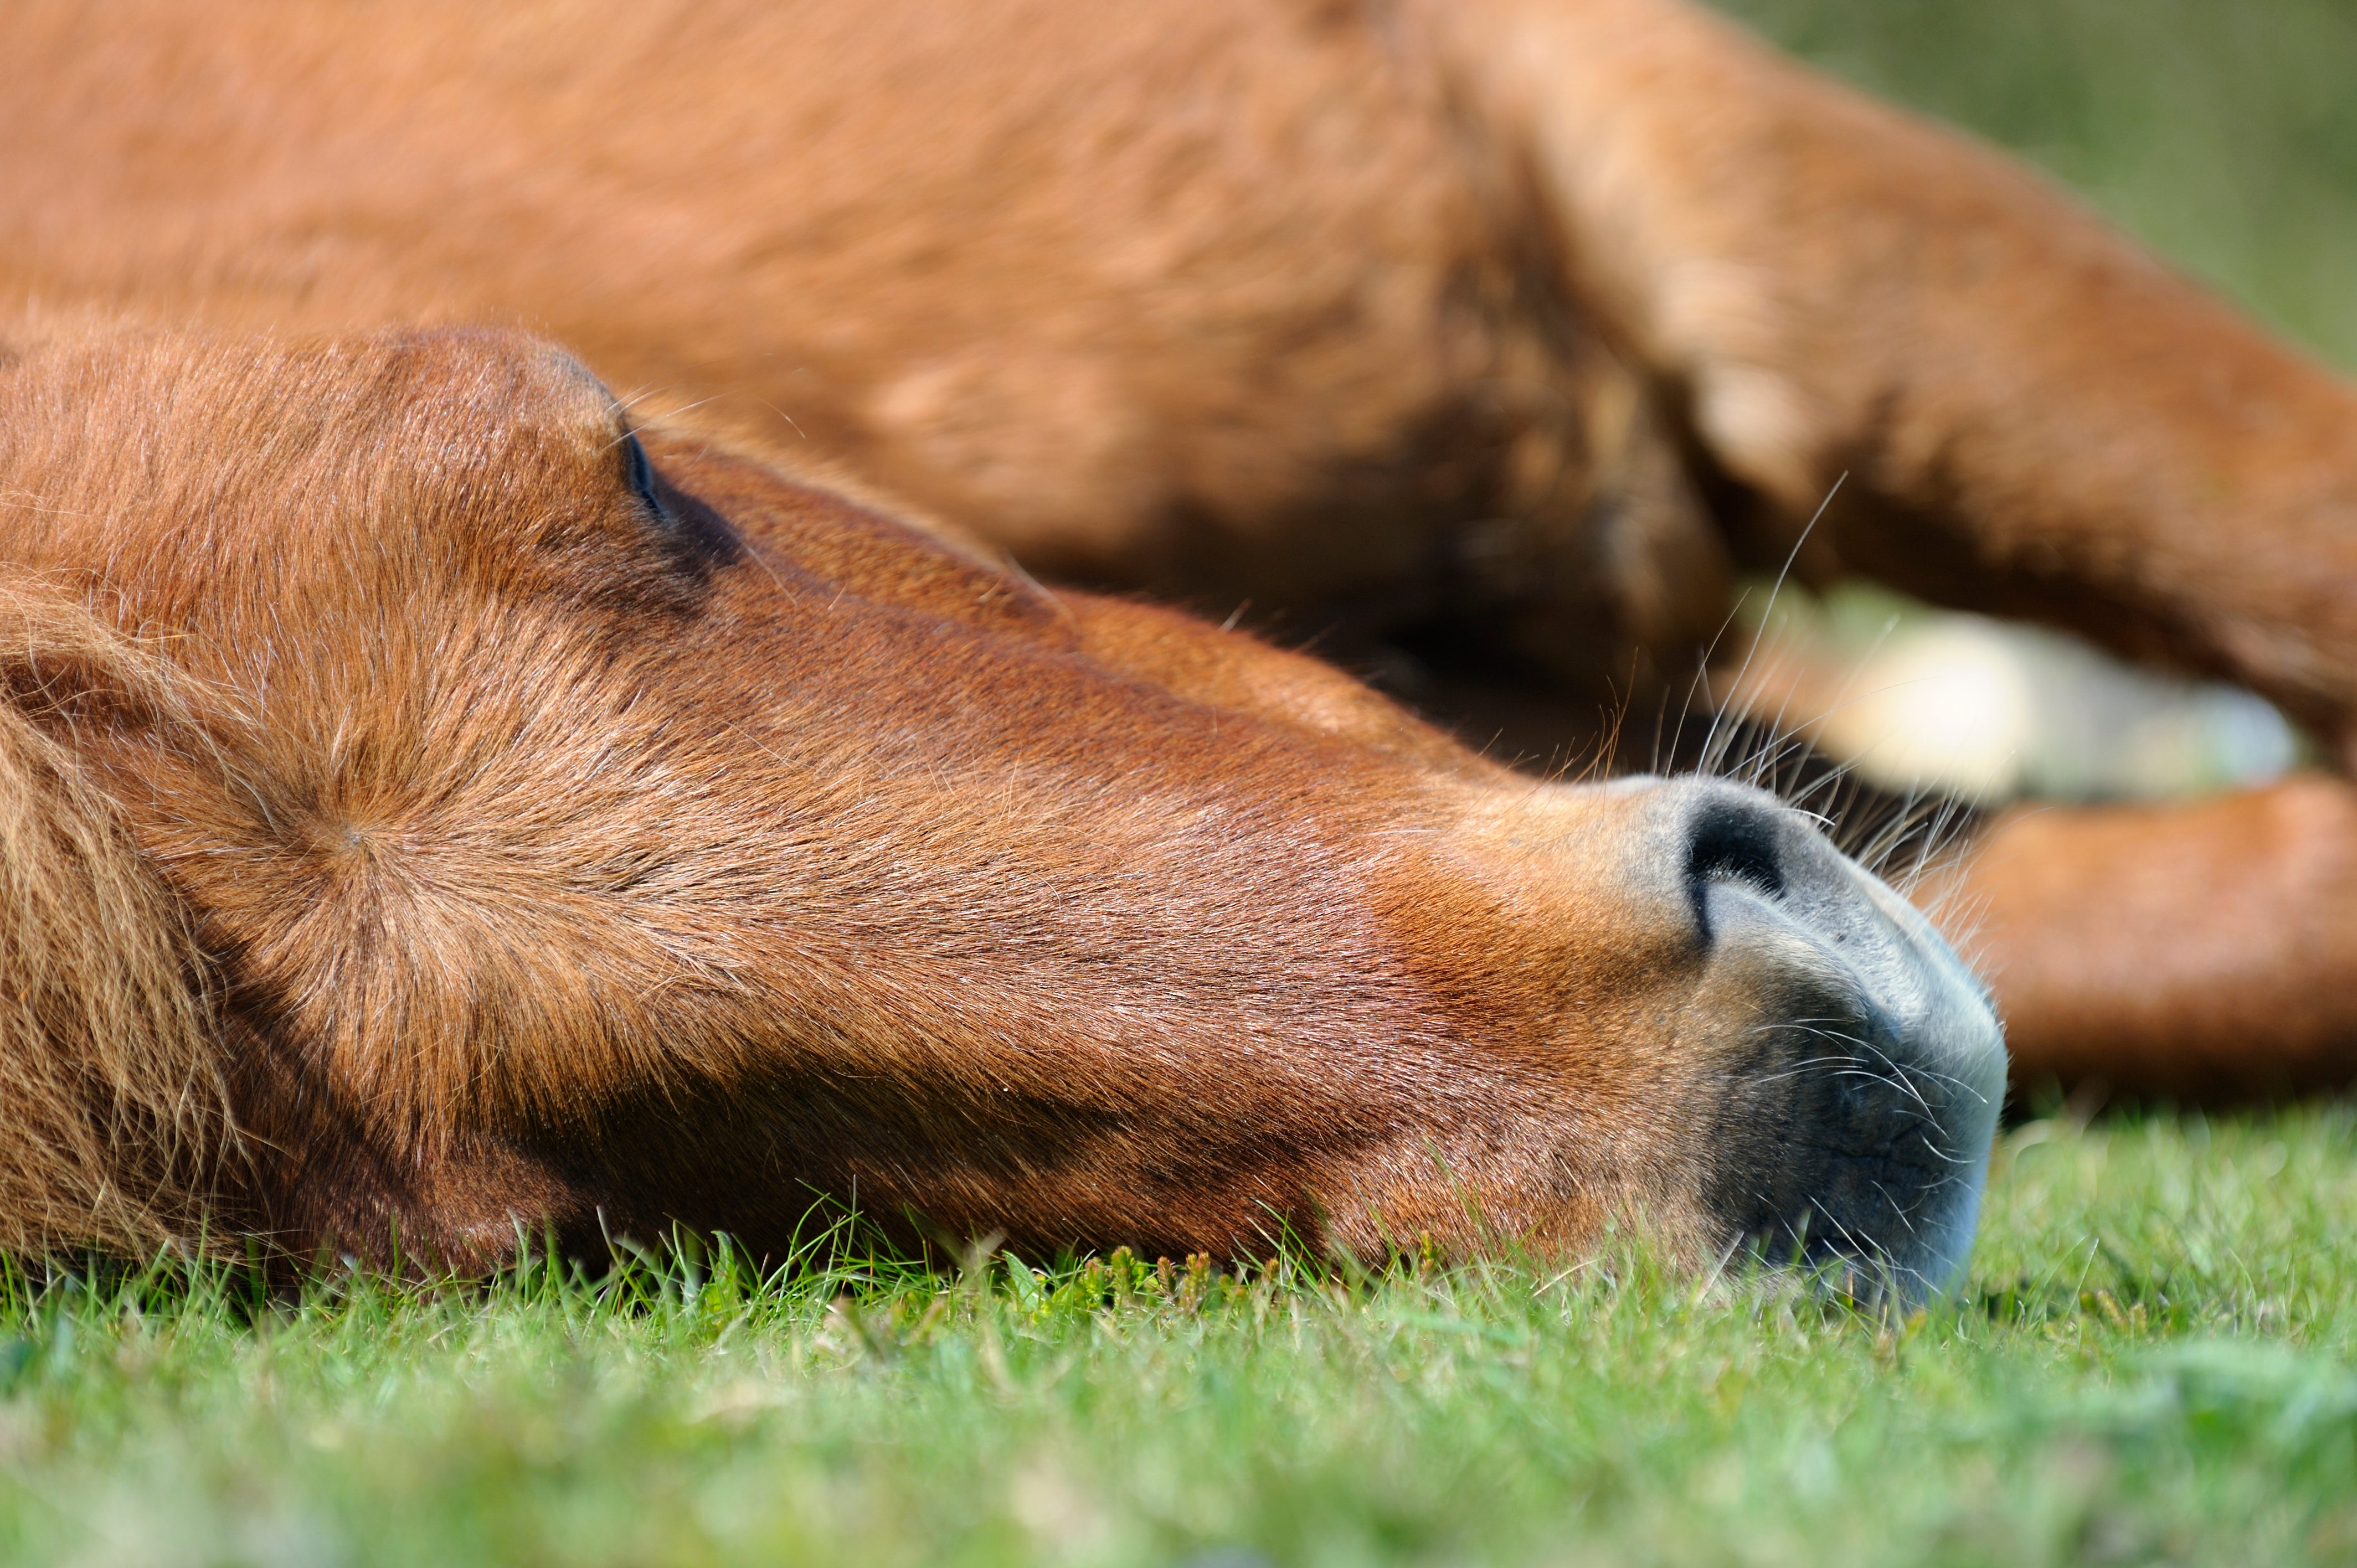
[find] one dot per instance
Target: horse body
(1066, 281)
(1544, 313)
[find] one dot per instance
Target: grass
(2156, 1359)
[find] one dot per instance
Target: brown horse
(432, 809)
(1509, 325)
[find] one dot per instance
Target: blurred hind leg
(2193, 952)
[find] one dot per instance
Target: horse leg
(2035, 418)
(2199, 951)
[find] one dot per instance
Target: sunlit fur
(117, 1118)
(421, 830)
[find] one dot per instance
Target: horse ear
(114, 1111)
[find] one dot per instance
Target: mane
(110, 1061)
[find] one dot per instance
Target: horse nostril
(1733, 840)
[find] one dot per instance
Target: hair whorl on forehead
(112, 1109)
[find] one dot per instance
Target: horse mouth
(1859, 1110)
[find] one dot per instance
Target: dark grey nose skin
(1860, 1113)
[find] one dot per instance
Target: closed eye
(640, 475)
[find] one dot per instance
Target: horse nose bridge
(1705, 865)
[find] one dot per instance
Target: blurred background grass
(2221, 133)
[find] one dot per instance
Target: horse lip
(1888, 1063)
